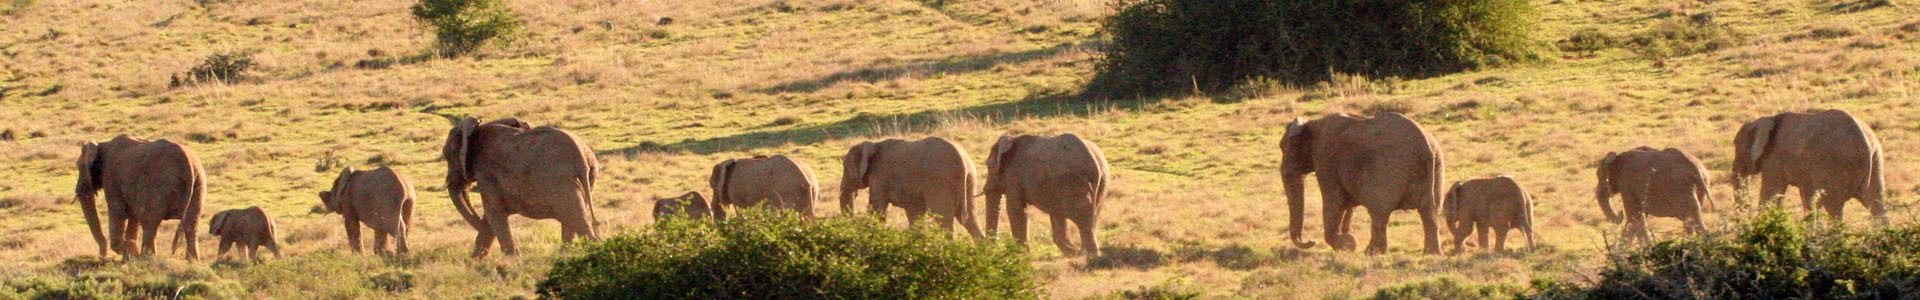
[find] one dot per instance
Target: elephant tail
(586, 192)
(966, 208)
(190, 214)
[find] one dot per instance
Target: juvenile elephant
(250, 227)
(145, 182)
(381, 199)
(928, 175)
(1491, 205)
(1829, 153)
(1384, 163)
(779, 181)
(1662, 183)
(536, 172)
(689, 205)
(1064, 176)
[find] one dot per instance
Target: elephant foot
(1344, 242)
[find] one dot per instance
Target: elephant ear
(697, 205)
(89, 166)
(340, 186)
(860, 160)
(218, 224)
(1762, 136)
(1001, 149)
(1606, 168)
(722, 173)
(459, 155)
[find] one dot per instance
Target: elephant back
(543, 150)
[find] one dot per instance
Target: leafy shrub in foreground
(1772, 255)
(1161, 46)
(461, 26)
(776, 255)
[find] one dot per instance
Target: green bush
(219, 67)
(392, 281)
(1162, 46)
(774, 255)
(462, 26)
(1770, 255)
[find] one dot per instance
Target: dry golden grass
(1196, 196)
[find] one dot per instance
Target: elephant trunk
(1601, 193)
(993, 210)
(1296, 202)
(86, 199)
(457, 190)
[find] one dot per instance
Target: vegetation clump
(462, 26)
(1162, 46)
(226, 67)
(778, 255)
(1771, 255)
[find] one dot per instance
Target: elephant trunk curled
(1296, 202)
(457, 190)
(85, 196)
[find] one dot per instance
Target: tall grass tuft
(1169, 46)
(778, 255)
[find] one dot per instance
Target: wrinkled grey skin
(251, 228)
(930, 175)
(1064, 176)
(539, 173)
(1830, 154)
(689, 205)
(1383, 164)
(1493, 206)
(145, 182)
(381, 199)
(1661, 183)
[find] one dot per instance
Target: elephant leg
(1481, 231)
(225, 244)
(353, 235)
(1430, 227)
(1017, 219)
(1460, 238)
(1335, 215)
(502, 233)
(379, 242)
(273, 246)
(1771, 190)
(482, 239)
(1060, 235)
(148, 228)
(399, 243)
(253, 252)
(118, 228)
(1088, 243)
(1377, 244)
(1500, 238)
(1835, 206)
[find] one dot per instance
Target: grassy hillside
(1196, 200)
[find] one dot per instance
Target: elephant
(1662, 183)
(1493, 206)
(779, 181)
(927, 175)
(1829, 153)
(689, 205)
(536, 172)
(250, 227)
(381, 199)
(145, 182)
(1064, 176)
(1384, 163)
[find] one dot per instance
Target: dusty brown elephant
(381, 199)
(777, 181)
(1662, 183)
(1493, 206)
(1064, 176)
(1830, 154)
(145, 182)
(536, 172)
(1384, 163)
(689, 205)
(928, 175)
(250, 228)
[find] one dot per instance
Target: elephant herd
(1384, 164)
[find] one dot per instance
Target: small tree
(461, 26)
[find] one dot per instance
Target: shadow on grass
(949, 65)
(1233, 257)
(864, 124)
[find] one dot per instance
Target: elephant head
(340, 185)
(855, 165)
(217, 226)
(690, 205)
(1605, 174)
(86, 188)
(718, 181)
(996, 173)
(1454, 211)
(1749, 147)
(1296, 163)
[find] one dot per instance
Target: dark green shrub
(1588, 40)
(462, 26)
(1161, 46)
(392, 281)
(1675, 37)
(774, 255)
(219, 67)
(1771, 255)
(1444, 288)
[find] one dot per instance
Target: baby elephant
(250, 227)
(1491, 205)
(382, 199)
(690, 205)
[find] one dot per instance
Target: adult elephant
(1662, 183)
(1064, 176)
(777, 181)
(1829, 153)
(145, 182)
(536, 172)
(928, 175)
(1384, 163)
